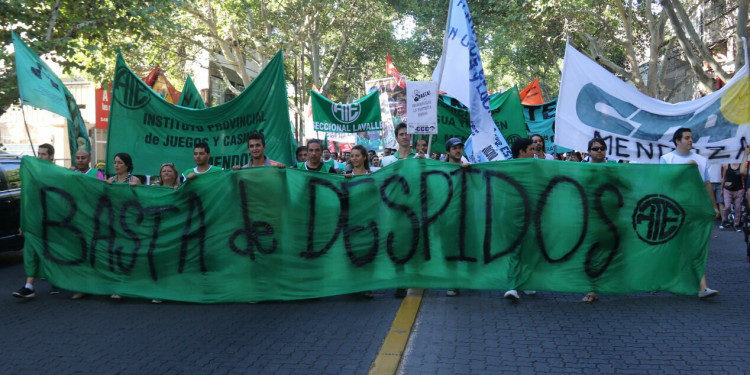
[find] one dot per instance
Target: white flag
(460, 74)
(595, 103)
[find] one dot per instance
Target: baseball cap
(453, 142)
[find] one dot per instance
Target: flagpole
(28, 133)
(442, 64)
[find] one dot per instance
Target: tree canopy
(336, 45)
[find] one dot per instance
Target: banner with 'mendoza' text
(154, 131)
(274, 234)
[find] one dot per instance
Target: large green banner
(275, 234)
(362, 115)
(453, 120)
(154, 131)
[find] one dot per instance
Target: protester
(123, 165)
(301, 154)
(83, 163)
(375, 163)
(522, 148)
(455, 149)
(574, 156)
(314, 153)
(404, 146)
(201, 155)
(421, 148)
(168, 176)
(714, 175)
(733, 192)
(684, 154)
(256, 146)
(45, 151)
(539, 145)
(597, 154)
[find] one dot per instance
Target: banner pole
(28, 133)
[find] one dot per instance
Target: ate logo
(38, 70)
(129, 91)
(657, 219)
(346, 113)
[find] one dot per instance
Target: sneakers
(512, 295)
(54, 290)
(725, 225)
(451, 292)
(738, 229)
(708, 292)
(24, 293)
(529, 292)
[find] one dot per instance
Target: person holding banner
(201, 155)
(83, 165)
(359, 162)
(301, 154)
(45, 151)
(168, 176)
(455, 149)
(314, 163)
(522, 148)
(123, 170)
(256, 146)
(683, 154)
(597, 154)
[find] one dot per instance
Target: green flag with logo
(38, 86)
(154, 131)
(362, 115)
(453, 119)
(190, 97)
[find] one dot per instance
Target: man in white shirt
(684, 154)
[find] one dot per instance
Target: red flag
(532, 94)
(390, 69)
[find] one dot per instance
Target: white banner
(594, 102)
(461, 75)
(421, 107)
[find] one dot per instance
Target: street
(477, 332)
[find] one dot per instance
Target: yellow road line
(392, 350)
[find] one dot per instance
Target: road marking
(392, 350)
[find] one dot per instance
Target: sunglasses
(598, 149)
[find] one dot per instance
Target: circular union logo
(346, 113)
(129, 91)
(657, 219)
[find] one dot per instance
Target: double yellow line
(392, 350)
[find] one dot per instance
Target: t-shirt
(303, 165)
(268, 162)
(676, 158)
(390, 159)
(95, 173)
(211, 169)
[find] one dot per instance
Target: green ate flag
(38, 86)
(362, 115)
(453, 120)
(154, 131)
(190, 97)
(267, 233)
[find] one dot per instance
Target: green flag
(190, 96)
(453, 119)
(38, 86)
(362, 115)
(273, 234)
(154, 131)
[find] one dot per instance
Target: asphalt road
(477, 332)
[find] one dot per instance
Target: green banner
(453, 120)
(154, 131)
(190, 97)
(541, 120)
(362, 115)
(274, 234)
(38, 86)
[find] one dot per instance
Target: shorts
(718, 192)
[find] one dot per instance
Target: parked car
(10, 203)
